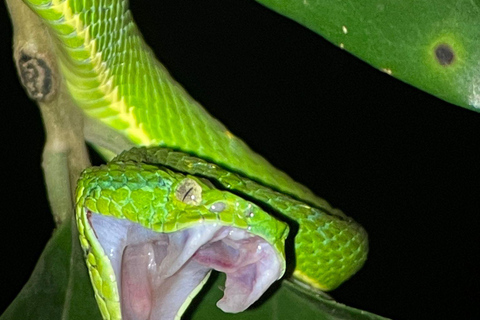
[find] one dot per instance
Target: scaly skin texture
(329, 246)
(114, 78)
(145, 194)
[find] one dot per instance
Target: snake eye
(189, 192)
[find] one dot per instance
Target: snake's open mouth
(156, 273)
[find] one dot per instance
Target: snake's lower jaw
(158, 273)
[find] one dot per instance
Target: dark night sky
(402, 163)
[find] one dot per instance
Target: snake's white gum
(157, 272)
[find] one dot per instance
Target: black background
(402, 163)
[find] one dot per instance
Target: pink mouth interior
(156, 272)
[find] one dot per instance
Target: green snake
(155, 220)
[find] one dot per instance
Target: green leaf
(59, 288)
(287, 301)
(429, 44)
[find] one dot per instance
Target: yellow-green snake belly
(153, 218)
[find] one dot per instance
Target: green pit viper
(191, 197)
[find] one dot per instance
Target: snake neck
(113, 76)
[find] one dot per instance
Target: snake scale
(192, 197)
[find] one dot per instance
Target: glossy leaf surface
(430, 45)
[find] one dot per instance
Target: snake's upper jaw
(157, 273)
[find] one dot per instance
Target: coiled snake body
(155, 220)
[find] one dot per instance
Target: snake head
(153, 236)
